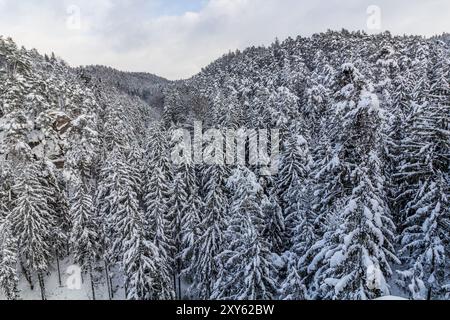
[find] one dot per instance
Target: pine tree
(401, 109)
(247, 272)
(144, 277)
(106, 205)
(295, 166)
(107, 192)
(303, 234)
(122, 198)
(424, 240)
(212, 227)
(420, 73)
(59, 207)
(84, 236)
(191, 218)
(177, 205)
(191, 229)
(422, 174)
(317, 96)
(275, 228)
(358, 243)
(293, 287)
(9, 280)
(4, 194)
(284, 110)
(295, 163)
(185, 209)
(33, 223)
(156, 198)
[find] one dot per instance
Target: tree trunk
(179, 280)
(42, 286)
(59, 270)
(433, 268)
(27, 275)
(179, 288)
(92, 285)
(111, 286)
(108, 281)
(208, 291)
(175, 285)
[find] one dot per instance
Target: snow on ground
(391, 298)
(56, 292)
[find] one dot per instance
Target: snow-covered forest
(359, 209)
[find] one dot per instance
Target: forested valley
(359, 208)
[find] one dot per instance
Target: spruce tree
(141, 263)
(212, 227)
(145, 276)
(33, 224)
(293, 287)
(157, 193)
(424, 177)
(357, 248)
(9, 279)
(275, 226)
(247, 272)
(293, 180)
(84, 236)
(424, 242)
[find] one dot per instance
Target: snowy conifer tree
(33, 224)
(145, 276)
(177, 205)
(423, 172)
(191, 229)
(359, 241)
(293, 287)
(275, 228)
(213, 225)
(295, 169)
(424, 240)
(9, 279)
(247, 271)
(84, 236)
(141, 263)
(157, 195)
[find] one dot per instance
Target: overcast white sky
(176, 38)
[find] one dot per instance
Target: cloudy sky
(176, 38)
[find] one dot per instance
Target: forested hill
(444, 37)
(363, 187)
(57, 124)
(358, 210)
(146, 86)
